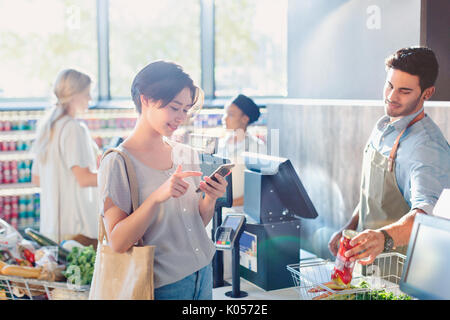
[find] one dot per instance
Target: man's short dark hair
(418, 61)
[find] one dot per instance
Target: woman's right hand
(175, 186)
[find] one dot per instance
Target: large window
(246, 53)
(251, 47)
(38, 38)
(142, 31)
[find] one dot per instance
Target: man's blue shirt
(423, 158)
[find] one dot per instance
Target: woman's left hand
(213, 189)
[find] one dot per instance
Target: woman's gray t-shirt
(177, 230)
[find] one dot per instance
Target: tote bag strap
(132, 181)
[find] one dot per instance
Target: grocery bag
(128, 275)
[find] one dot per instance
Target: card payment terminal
(229, 231)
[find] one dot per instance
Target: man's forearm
(353, 222)
(400, 231)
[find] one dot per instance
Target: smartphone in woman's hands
(223, 170)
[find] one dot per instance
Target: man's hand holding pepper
(367, 246)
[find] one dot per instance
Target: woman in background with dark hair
(239, 114)
(171, 215)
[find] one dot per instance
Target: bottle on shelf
(37, 207)
(20, 204)
(14, 171)
(2, 214)
(20, 211)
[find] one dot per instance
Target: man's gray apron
(381, 202)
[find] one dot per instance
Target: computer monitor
(273, 189)
(426, 272)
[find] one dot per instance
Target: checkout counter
(268, 237)
(275, 201)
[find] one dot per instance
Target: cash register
(275, 204)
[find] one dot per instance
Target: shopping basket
(19, 288)
(379, 280)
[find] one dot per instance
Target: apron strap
(393, 153)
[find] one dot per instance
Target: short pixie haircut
(418, 61)
(162, 81)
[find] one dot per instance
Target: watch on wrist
(388, 241)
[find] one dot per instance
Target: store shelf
(110, 132)
(20, 115)
(15, 135)
(30, 135)
(16, 185)
(109, 115)
(92, 113)
(110, 123)
(19, 189)
(15, 155)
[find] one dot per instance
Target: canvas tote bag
(128, 275)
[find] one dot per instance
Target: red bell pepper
(29, 256)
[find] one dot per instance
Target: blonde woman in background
(65, 163)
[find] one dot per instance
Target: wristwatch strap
(388, 241)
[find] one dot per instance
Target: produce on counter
(26, 250)
(332, 296)
(378, 294)
(69, 244)
(46, 258)
(28, 255)
(24, 261)
(80, 268)
(370, 294)
(331, 285)
(53, 273)
(44, 241)
(21, 271)
(9, 239)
